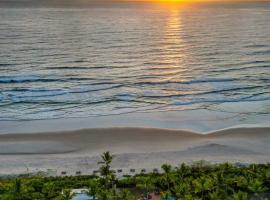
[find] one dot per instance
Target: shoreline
(197, 120)
(133, 147)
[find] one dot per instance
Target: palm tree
(114, 194)
(189, 197)
(16, 192)
(241, 182)
(105, 169)
(166, 195)
(182, 171)
(105, 195)
(126, 195)
(202, 185)
(106, 158)
(240, 195)
(218, 194)
(256, 186)
(49, 190)
(17, 188)
(181, 189)
(146, 184)
(167, 170)
(66, 195)
(93, 189)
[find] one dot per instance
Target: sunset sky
(83, 3)
(43, 1)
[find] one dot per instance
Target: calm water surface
(74, 62)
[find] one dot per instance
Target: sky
(99, 2)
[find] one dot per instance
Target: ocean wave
(96, 88)
(221, 91)
(188, 82)
(88, 67)
(33, 78)
(257, 46)
(36, 93)
(241, 68)
(6, 64)
(177, 102)
(260, 52)
(68, 68)
(22, 79)
(202, 97)
(75, 102)
(157, 59)
(17, 94)
(221, 101)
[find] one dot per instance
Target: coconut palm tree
(240, 195)
(256, 187)
(49, 190)
(105, 194)
(219, 194)
(166, 195)
(107, 158)
(66, 194)
(189, 197)
(181, 189)
(202, 185)
(182, 171)
(167, 170)
(16, 192)
(93, 189)
(17, 187)
(125, 195)
(105, 169)
(146, 184)
(241, 182)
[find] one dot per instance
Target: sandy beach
(136, 148)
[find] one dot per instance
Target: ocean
(73, 62)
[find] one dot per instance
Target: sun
(167, 1)
(176, 1)
(173, 1)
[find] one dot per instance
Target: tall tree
(203, 185)
(66, 194)
(105, 169)
(167, 170)
(93, 189)
(146, 184)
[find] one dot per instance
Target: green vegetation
(198, 181)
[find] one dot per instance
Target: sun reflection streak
(174, 44)
(174, 27)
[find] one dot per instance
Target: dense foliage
(198, 181)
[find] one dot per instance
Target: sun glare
(170, 1)
(176, 1)
(173, 1)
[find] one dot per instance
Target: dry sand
(137, 148)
